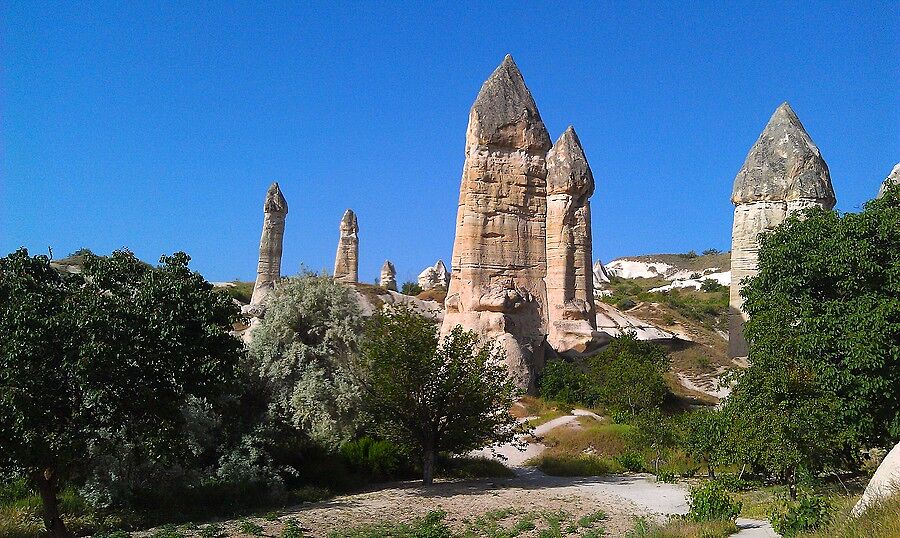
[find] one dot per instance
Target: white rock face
(612, 323)
(884, 482)
(497, 284)
(570, 278)
(435, 276)
(600, 274)
(892, 179)
(346, 262)
(388, 278)
(723, 278)
(783, 173)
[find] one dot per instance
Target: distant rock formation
(783, 173)
(497, 281)
(388, 279)
(884, 482)
(600, 274)
(570, 279)
(268, 270)
(435, 276)
(346, 263)
(892, 179)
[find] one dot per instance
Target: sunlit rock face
(783, 173)
(388, 278)
(346, 262)
(497, 281)
(435, 276)
(268, 269)
(570, 288)
(892, 179)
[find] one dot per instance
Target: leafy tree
(302, 351)
(628, 374)
(653, 430)
(564, 381)
(410, 288)
(101, 358)
(430, 394)
(824, 337)
(706, 438)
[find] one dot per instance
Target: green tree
(628, 374)
(706, 438)
(653, 430)
(430, 394)
(410, 288)
(101, 358)
(302, 351)
(824, 337)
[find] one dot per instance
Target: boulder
(885, 482)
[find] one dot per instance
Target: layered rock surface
(497, 283)
(346, 262)
(268, 268)
(783, 173)
(569, 280)
(388, 278)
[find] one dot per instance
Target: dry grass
(683, 529)
(544, 411)
(581, 465)
(593, 437)
(879, 521)
(435, 294)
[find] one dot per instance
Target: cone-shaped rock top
(275, 202)
(567, 168)
(504, 113)
(348, 222)
(892, 179)
(388, 267)
(783, 164)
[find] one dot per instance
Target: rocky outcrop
(268, 269)
(892, 179)
(497, 282)
(346, 263)
(783, 173)
(388, 279)
(435, 276)
(601, 275)
(570, 287)
(885, 482)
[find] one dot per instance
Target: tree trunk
(710, 471)
(428, 467)
(792, 483)
(46, 485)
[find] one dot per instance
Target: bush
(711, 502)
(563, 381)
(379, 458)
(410, 288)
(628, 375)
(711, 285)
(808, 513)
(626, 304)
(631, 461)
(581, 465)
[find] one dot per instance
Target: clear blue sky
(158, 127)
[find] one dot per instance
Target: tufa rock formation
(388, 279)
(892, 179)
(434, 277)
(497, 282)
(570, 287)
(346, 263)
(884, 482)
(783, 173)
(268, 270)
(601, 275)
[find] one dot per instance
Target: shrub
(628, 375)
(808, 513)
(580, 465)
(563, 381)
(631, 461)
(711, 285)
(291, 530)
(379, 458)
(626, 304)
(711, 251)
(711, 502)
(249, 527)
(410, 288)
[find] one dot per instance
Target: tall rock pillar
(346, 263)
(570, 286)
(388, 278)
(268, 270)
(783, 173)
(497, 281)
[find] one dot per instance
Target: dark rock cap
(348, 221)
(504, 113)
(784, 164)
(567, 168)
(275, 202)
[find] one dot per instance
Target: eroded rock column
(346, 263)
(570, 287)
(783, 173)
(497, 280)
(268, 269)
(388, 279)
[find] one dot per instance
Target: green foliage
(429, 395)
(710, 285)
(302, 350)
(250, 528)
(410, 288)
(212, 530)
(576, 465)
(380, 458)
(631, 461)
(291, 530)
(706, 438)
(710, 502)
(242, 291)
(563, 381)
(94, 360)
(430, 526)
(655, 432)
(808, 513)
(628, 375)
(711, 251)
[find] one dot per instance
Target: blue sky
(158, 127)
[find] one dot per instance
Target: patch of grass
(678, 528)
(430, 526)
(249, 527)
(434, 294)
(589, 520)
(291, 530)
(580, 465)
(469, 467)
(596, 438)
(242, 291)
(878, 521)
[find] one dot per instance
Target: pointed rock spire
(784, 164)
(892, 179)
(346, 263)
(567, 167)
(268, 269)
(504, 113)
(275, 202)
(388, 279)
